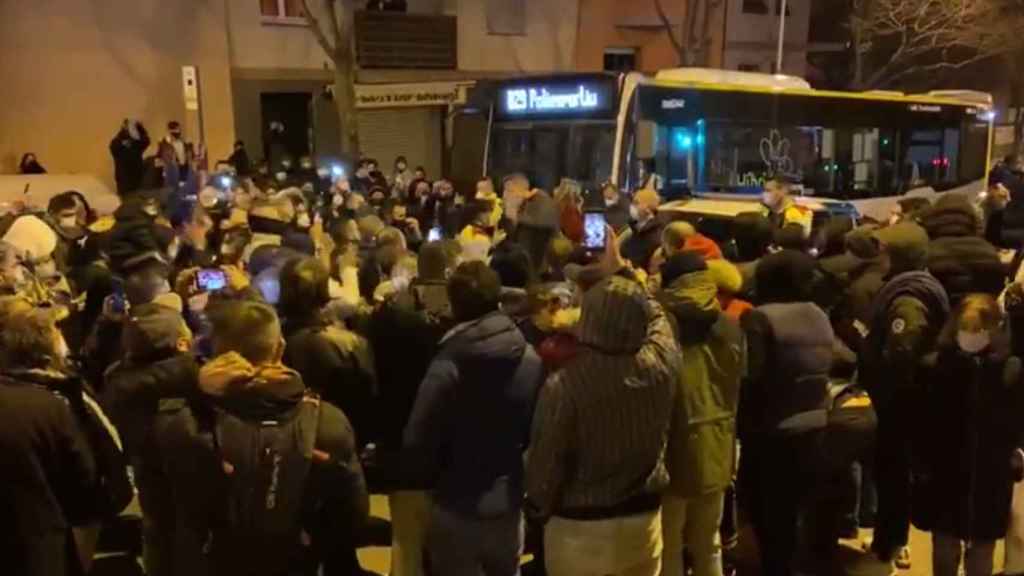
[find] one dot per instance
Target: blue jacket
(471, 420)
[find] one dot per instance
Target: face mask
(303, 221)
(68, 222)
(634, 212)
(151, 209)
(322, 173)
(281, 176)
(972, 342)
(338, 201)
(610, 202)
(401, 167)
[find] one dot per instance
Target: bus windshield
(837, 147)
(549, 151)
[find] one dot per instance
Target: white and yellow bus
(707, 132)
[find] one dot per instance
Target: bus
(721, 134)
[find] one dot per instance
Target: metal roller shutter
(411, 132)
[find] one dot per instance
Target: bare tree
(694, 40)
(339, 44)
(918, 37)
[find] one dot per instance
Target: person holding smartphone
(127, 149)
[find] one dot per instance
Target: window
(755, 6)
(619, 59)
(778, 7)
(282, 12)
(506, 17)
(749, 67)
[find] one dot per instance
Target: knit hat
(785, 276)
(907, 246)
(31, 237)
(153, 331)
(614, 316)
(680, 264)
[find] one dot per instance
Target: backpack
(266, 467)
(850, 434)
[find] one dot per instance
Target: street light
(782, 36)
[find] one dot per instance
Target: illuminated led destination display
(591, 98)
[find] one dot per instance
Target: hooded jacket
(602, 422)
(701, 447)
(335, 500)
(958, 256)
(127, 154)
(471, 420)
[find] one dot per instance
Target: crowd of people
(252, 352)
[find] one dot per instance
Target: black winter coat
(129, 167)
(972, 428)
(54, 474)
(965, 264)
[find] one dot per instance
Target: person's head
(485, 189)
(792, 237)
(776, 191)
(232, 246)
(154, 332)
(753, 234)
(445, 189)
(377, 195)
(37, 343)
(614, 317)
(904, 246)
(12, 273)
(978, 317)
(28, 159)
(248, 328)
(304, 287)
(391, 245)
(786, 276)
(35, 243)
(420, 173)
(400, 164)
(63, 210)
(645, 204)
(405, 270)
(516, 185)
(399, 212)
(610, 192)
(371, 166)
(421, 188)
(239, 145)
(145, 277)
(174, 129)
(569, 193)
(438, 259)
(513, 265)
(474, 291)
(674, 237)
(363, 168)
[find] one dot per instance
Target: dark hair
(304, 287)
(474, 291)
(239, 144)
(791, 237)
(31, 346)
(247, 327)
(61, 202)
(513, 265)
(173, 125)
(400, 159)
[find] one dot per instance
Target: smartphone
(594, 230)
(434, 234)
(211, 279)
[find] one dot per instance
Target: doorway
(292, 111)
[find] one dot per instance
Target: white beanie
(32, 238)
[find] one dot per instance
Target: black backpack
(266, 466)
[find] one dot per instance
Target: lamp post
(782, 36)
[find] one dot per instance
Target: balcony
(397, 40)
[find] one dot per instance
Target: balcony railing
(396, 40)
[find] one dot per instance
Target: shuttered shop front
(413, 132)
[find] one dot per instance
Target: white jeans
(410, 517)
(947, 551)
(692, 524)
(628, 546)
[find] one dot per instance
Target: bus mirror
(646, 140)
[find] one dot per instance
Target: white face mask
(68, 222)
(972, 342)
(322, 172)
(634, 212)
(281, 176)
(303, 220)
(338, 201)
(610, 202)
(151, 209)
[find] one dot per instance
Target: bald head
(674, 237)
(646, 202)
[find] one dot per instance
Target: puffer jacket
(701, 447)
(959, 258)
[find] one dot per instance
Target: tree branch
(680, 50)
(336, 27)
(318, 32)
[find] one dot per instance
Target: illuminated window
(282, 12)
